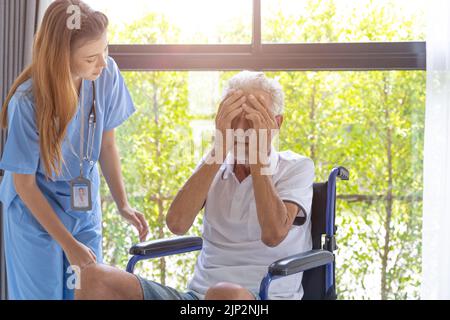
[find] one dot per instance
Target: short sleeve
(296, 185)
(21, 152)
(119, 105)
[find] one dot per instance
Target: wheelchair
(318, 265)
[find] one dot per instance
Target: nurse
(60, 117)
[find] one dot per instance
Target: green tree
(150, 148)
(369, 121)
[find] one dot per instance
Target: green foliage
(356, 119)
(370, 122)
(150, 144)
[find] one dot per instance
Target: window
(179, 22)
(325, 21)
(355, 96)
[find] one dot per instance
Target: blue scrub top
(22, 156)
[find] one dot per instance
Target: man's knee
(228, 291)
(90, 282)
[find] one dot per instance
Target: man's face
(242, 124)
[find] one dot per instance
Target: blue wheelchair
(317, 265)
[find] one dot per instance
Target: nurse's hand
(80, 255)
(137, 219)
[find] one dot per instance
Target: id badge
(80, 194)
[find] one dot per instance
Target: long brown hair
(54, 91)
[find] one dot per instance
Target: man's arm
(190, 199)
(192, 196)
(274, 215)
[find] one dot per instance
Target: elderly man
(250, 199)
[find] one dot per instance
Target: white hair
(247, 80)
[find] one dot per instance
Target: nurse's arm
(35, 201)
(110, 164)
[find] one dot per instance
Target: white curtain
(436, 205)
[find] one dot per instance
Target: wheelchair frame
(284, 267)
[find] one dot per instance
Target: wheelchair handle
(343, 173)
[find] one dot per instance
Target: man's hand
(259, 114)
(262, 119)
(230, 108)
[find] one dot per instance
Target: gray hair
(258, 81)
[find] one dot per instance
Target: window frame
(358, 56)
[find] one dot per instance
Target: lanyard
(92, 121)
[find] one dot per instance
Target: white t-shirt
(232, 247)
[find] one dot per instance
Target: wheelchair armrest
(301, 262)
(162, 246)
